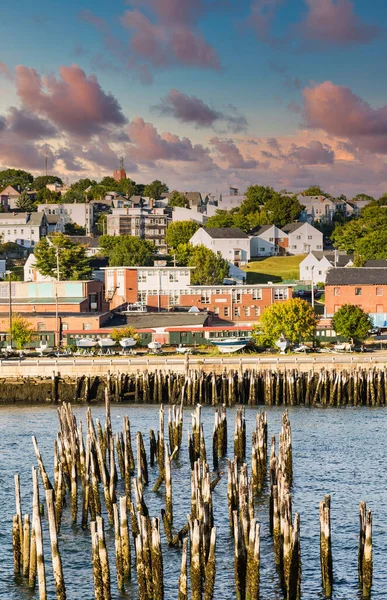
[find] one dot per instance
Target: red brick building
(163, 288)
(364, 287)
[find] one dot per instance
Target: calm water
(336, 451)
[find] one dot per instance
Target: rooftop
(166, 319)
(226, 233)
(92, 242)
(338, 259)
(290, 227)
(357, 276)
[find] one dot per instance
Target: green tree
(97, 192)
(295, 319)
(345, 237)
(74, 229)
(109, 182)
(281, 210)
(180, 232)
(45, 195)
(211, 269)
(73, 261)
(178, 199)
(127, 187)
(41, 181)
(155, 189)
(101, 223)
(124, 332)
(222, 218)
(255, 197)
(15, 177)
(127, 250)
(74, 195)
(82, 184)
(22, 332)
(364, 197)
(24, 202)
(352, 322)
(315, 190)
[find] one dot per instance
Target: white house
(31, 273)
(233, 244)
(188, 214)
(317, 264)
(303, 237)
(317, 208)
(295, 238)
(80, 214)
(24, 229)
(269, 240)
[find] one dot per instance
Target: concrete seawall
(78, 367)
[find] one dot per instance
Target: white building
(233, 244)
(79, 214)
(317, 264)
(24, 229)
(31, 273)
(295, 238)
(188, 214)
(3, 268)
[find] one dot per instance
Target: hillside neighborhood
(81, 260)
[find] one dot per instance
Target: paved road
(164, 361)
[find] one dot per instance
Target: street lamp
(9, 273)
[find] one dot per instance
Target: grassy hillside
(274, 268)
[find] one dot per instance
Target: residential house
(231, 243)
(79, 214)
(9, 197)
(188, 214)
(96, 264)
(294, 238)
(148, 224)
(357, 206)
(317, 208)
(317, 264)
(24, 229)
(166, 288)
(364, 287)
(91, 242)
(269, 240)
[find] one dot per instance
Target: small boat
(154, 346)
(86, 343)
(43, 347)
(128, 342)
(183, 349)
(106, 343)
(227, 345)
(282, 343)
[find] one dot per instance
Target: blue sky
(253, 59)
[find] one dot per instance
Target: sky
(202, 94)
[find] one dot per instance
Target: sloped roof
(33, 218)
(219, 233)
(92, 242)
(341, 259)
(261, 230)
(376, 263)
(290, 227)
(357, 276)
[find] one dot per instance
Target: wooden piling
(56, 559)
(326, 546)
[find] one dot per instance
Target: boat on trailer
(227, 345)
(106, 343)
(86, 343)
(127, 343)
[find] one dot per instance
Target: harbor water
(341, 452)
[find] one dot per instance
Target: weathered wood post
(365, 550)
(56, 559)
(326, 546)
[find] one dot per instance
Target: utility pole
(312, 269)
(9, 273)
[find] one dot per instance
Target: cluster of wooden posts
(287, 387)
(87, 468)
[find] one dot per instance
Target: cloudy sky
(202, 94)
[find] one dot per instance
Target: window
(318, 247)
(306, 268)
(294, 246)
(262, 249)
(271, 239)
(41, 326)
(310, 237)
(298, 237)
(174, 299)
(257, 311)
(22, 231)
(320, 272)
(141, 297)
(65, 326)
(86, 326)
(247, 311)
(142, 277)
(336, 291)
(206, 297)
(172, 276)
(379, 291)
(280, 293)
(237, 311)
(226, 311)
(357, 291)
(257, 294)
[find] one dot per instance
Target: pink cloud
(149, 145)
(177, 12)
(340, 112)
(28, 125)
(314, 153)
(75, 103)
(331, 21)
(228, 151)
(163, 44)
(4, 71)
(190, 109)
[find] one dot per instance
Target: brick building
(147, 224)
(364, 287)
(166, 288)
